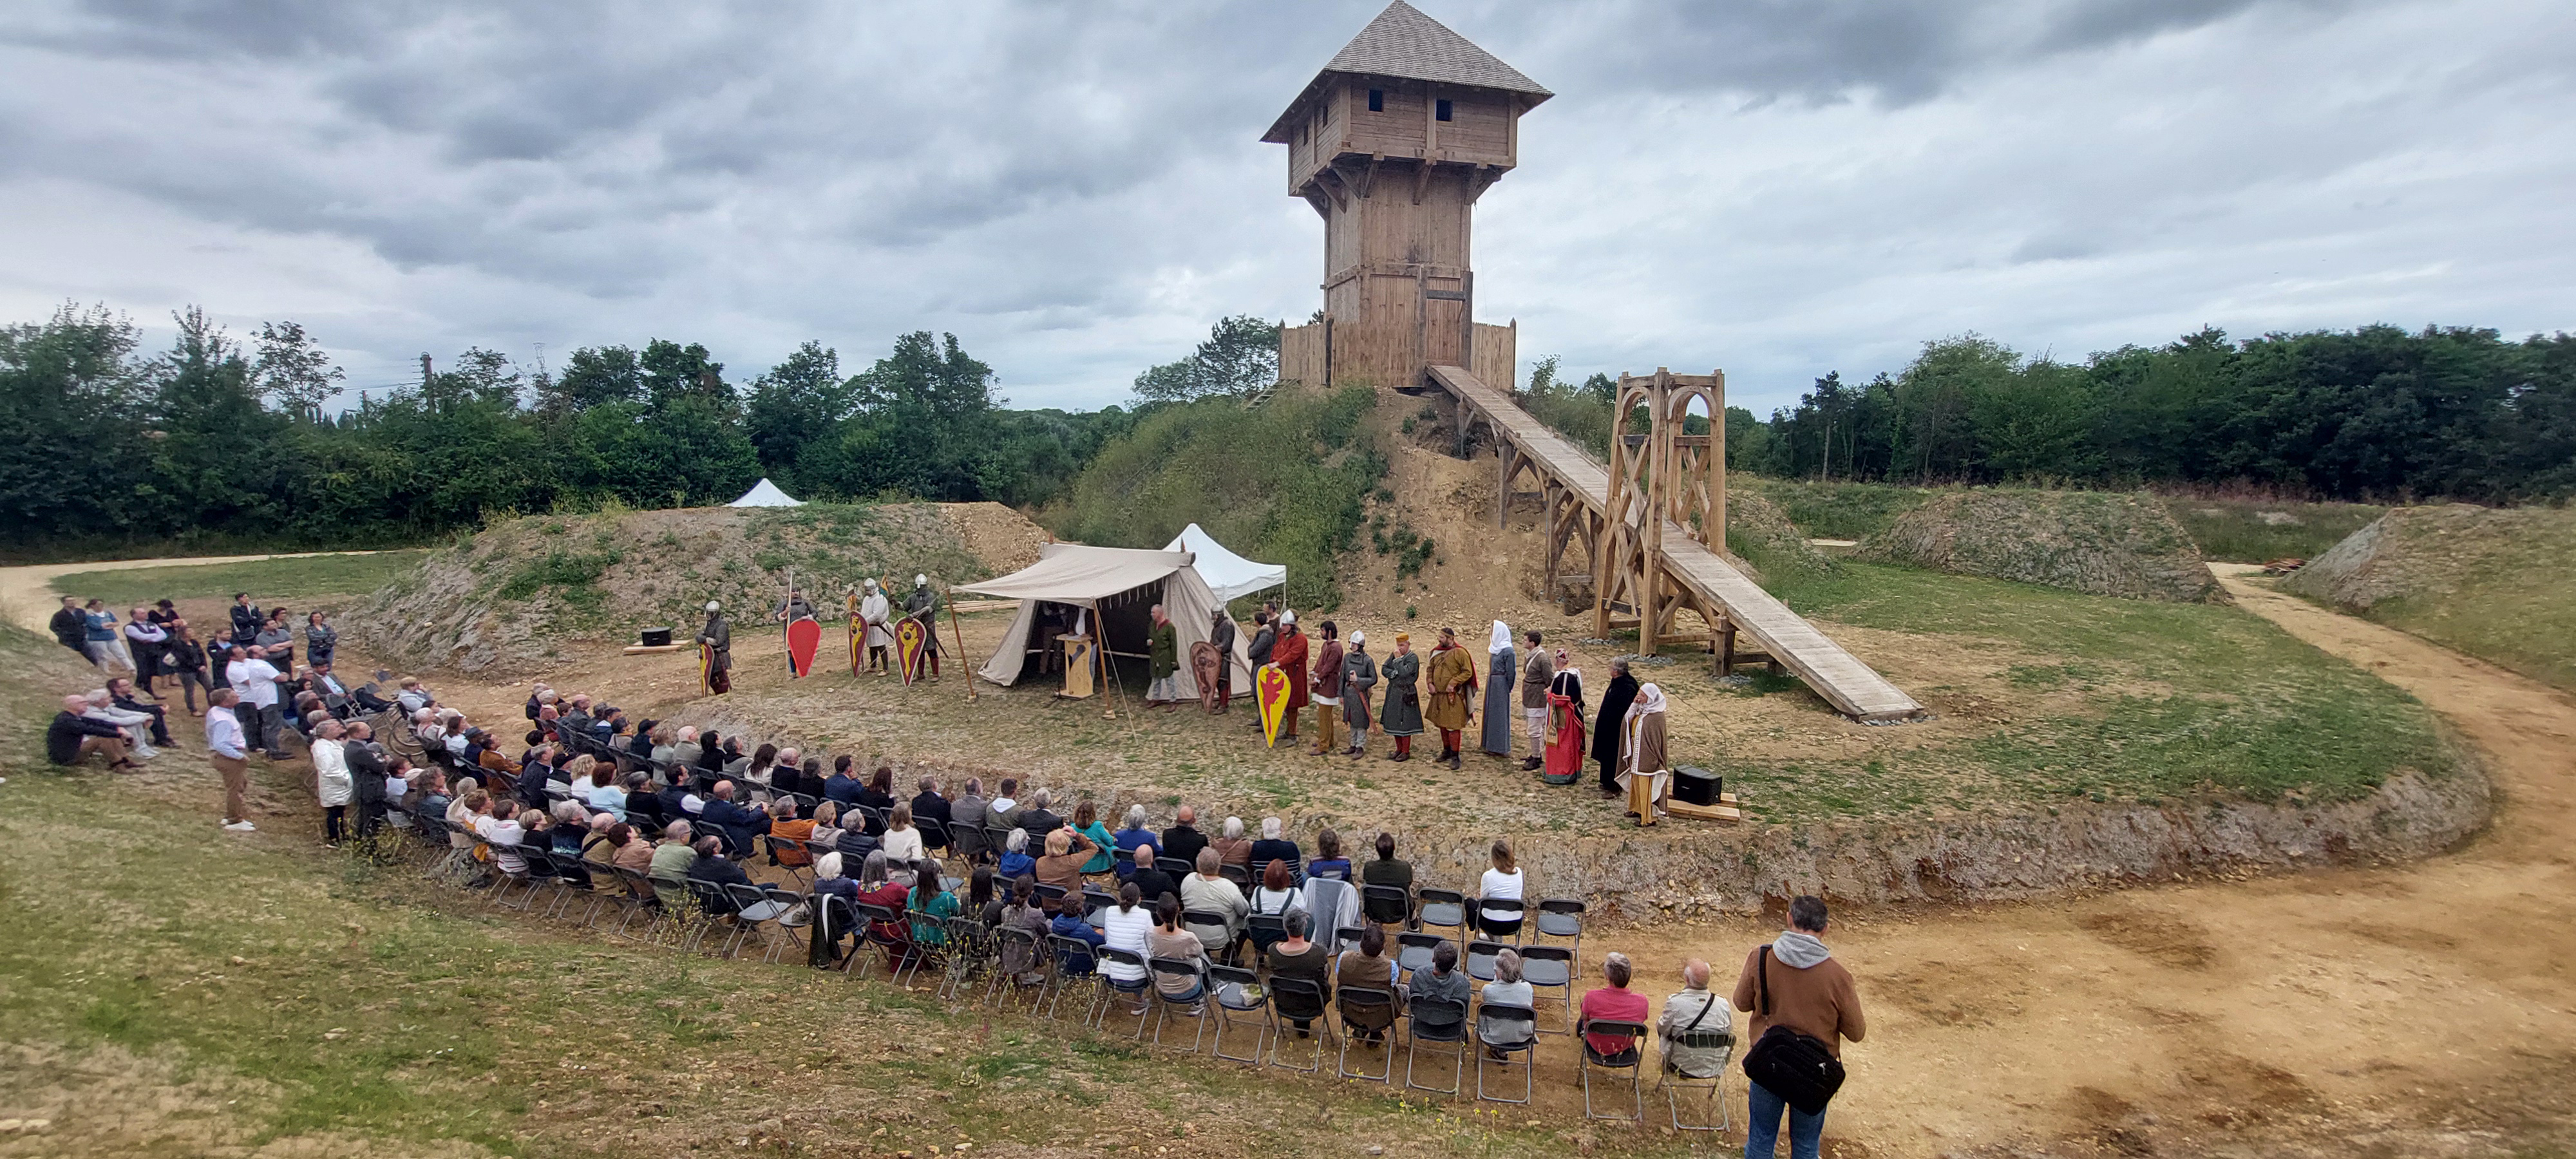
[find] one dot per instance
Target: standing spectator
(1795, 982)
(1617, 1003)
(278, 639)
(1694, 1009)
(187, 662)
(369, 767)
(144, 643)
(74, 734)
(320, 638)
(70, 627)
(227, 746)
(255, 681)
(332, 783)
(98, 627)
(246, 620)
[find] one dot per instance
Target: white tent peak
(765, 494)
(1229, 575)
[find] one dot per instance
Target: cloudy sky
(1078, 189)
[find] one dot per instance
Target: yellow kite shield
(1270, 689)
(911, 640)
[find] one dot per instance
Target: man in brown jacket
(1809, 992)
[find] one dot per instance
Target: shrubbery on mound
(1758, 533)
(509, 593)
(2106, 543)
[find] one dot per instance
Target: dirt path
(28, 599)
(2419, 1009)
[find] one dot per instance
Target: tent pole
(962, 658)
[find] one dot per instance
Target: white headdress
(1502, 638)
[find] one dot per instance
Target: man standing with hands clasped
(1803, 1005)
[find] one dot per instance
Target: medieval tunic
(1402, 715)
(923, 605)
(1606, 726)
(1642, 772)
(1162, 659)
(717, 638)
(1452, 677)
(1359, 675)
(1327, 693)
(1564, 760)
(1289, 653)
(1503, 671)
(877, 610)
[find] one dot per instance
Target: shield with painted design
(910, 641)
(1270, 690)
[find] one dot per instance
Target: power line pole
(424, 372)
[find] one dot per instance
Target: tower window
(1377, 100)
(1441, 112)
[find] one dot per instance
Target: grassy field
(2260, 531)
(268, 581)
(1836, 510)
(2494, 583)
(172, 990)
(2103, 699)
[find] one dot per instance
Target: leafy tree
(1239, 357)
(675, 371)
(293, 372)
(73, 402)
(798, 402)
(595, 376)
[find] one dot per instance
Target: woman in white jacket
(331, 780)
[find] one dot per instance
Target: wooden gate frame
(1661, 481)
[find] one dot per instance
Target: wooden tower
(1392, 143)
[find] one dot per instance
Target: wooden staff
(960, 634)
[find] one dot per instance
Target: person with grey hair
(332, 785)
(1507, 989)
(1036, 818)
(1796, 983)
(1693, 1009)
(1616, 1003)
(928, 805)
(1232, 847)
(1615, 702)
(1015, 861)
(1273, 847)
(1131, 834)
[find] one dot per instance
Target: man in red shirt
(1617, 1003)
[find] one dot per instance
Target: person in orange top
(1452, 677)
(1809, 992)
(788, 834)
(1289, 653)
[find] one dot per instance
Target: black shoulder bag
(1789, 1062)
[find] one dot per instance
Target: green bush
(1284, 483)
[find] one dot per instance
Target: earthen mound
(516, 591)
(2113, 544)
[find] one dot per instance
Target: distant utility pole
(424, 372)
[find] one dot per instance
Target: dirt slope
(513, 593)
(2494, 583)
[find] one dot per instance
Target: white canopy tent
(1230, 576)
(765, 494)
(1114, 587)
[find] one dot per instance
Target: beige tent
(1111, 590)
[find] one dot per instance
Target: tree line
(2374, 413)
(226, 438)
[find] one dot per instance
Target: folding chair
(1545, 967)
(1519, 916)
(970, 948)
(1559, 917)
(1632, 1060)
(1165, 1004)
(1451, 1029)
(833, 918)
(934, 837)
(1387, 905)
(1442, 907)
(1238, 991)
(1294, 999)
(1075, 963)
(874, 920)
(1196, 920)
(929, 947)
(542, 875)
(1241, 877)
(1413, 951)
(1122, 862)
(1502, 1018)
(997, 840)
(1179, 869)
(1009, 943)
(1673, 1084)
(1356, 1003)
(1263, 930)
(799, 871)
(633, 890)
(708, 902)
(755, 911)
(1113, 986)
(1480, 959)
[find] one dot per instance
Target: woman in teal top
(934, 905)
(1086, 821)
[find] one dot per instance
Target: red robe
(1290, 655)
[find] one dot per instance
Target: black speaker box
(1697, 785)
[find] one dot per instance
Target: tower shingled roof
(1407, 45)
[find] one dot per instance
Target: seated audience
(1126, 926)
(1066, 850)
(1443, 980)
(1169, 940)
(1367, 967)
(1507, 989)
(1068, 923)
(902, 842)
(1694, 1008)
(1294, 956)
(1129, 837)
(1232, 847)
(1272, 847)
(1183, 840)
(1275, 897)
(1329, 861)
(74, 735)
(1387, 870)
(1204, 892)
(1086, 821)
(1501, 882)
(929, 806)
(1614, 1001)
(1148, 879)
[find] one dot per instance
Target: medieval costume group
(1408, 693)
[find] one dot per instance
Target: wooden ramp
(1853, 688)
